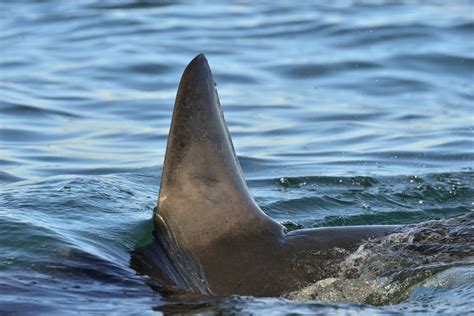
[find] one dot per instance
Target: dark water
(341, 112)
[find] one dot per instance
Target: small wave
(385, 85)
(6, 177)
(320, 201)
(446, 64)
(307, 70)
(16, 109)
(131, 5)
(374, 35)
(391, 218)
(468, 26)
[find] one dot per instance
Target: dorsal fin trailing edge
(203, 195)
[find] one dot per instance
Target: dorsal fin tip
(197, 67)
(199, 57)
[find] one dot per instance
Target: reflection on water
(341, 112)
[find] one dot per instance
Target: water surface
(341, 113)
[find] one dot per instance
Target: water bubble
(291, 225)
(284, 182)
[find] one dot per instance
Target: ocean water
(341, 113)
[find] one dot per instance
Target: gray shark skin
(210, 236)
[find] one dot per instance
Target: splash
(385, 270)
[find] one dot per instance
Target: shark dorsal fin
(203, 195)
(210, 235)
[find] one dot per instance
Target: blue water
(341, 113)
